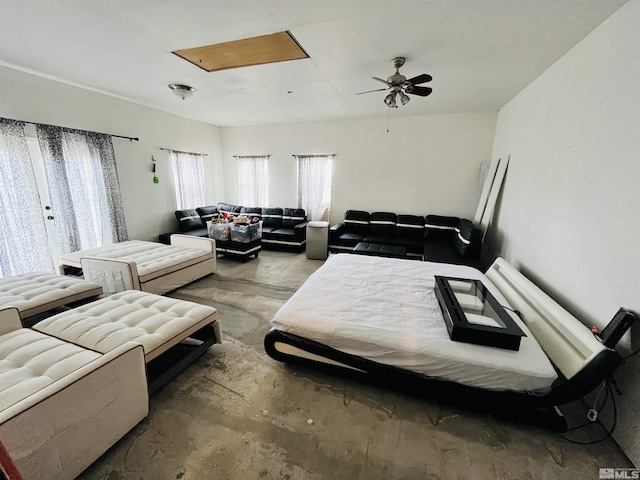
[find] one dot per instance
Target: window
(253, 181)
(188, 171)
(314, 184)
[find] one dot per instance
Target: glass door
(27, 240)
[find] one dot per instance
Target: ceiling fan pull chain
(388, 114)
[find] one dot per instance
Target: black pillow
(188, 220)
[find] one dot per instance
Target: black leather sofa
(433, 238)
(282, 228)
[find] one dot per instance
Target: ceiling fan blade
(370, 91)
(424, 78)
(421, 91)
(381, 80)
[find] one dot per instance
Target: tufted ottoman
(158, 323)
(38, 292)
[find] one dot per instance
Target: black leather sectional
(282, 228)
(433, 238)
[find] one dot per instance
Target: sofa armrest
(63, 428)
(9, 320)
(468, 239)
(189, 241)
(335, 231)
(111, 274)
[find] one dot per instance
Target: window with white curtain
(253, 180)
(188, 171)
(314, 184)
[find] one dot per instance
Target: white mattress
(152, 259)
(386, 310)
(37, 292)
(154, 321)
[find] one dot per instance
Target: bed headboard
(567, 342)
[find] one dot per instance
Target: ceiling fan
(400, 86)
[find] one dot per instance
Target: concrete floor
(238, 414)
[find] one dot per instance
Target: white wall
(569, 216)
(425, 164)
(148, 207)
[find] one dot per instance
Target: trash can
(317, 240)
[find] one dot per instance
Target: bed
(38, 292)
(379, 318)
(147, 266)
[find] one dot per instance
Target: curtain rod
(183, 151)
(250, 156)
(78, 129)
(317, 155)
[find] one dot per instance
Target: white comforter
(386, 310)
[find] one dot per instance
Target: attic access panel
(276, 47)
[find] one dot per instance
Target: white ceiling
(480, 52)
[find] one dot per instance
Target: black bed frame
(541, 410)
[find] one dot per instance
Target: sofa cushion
(410, 226)
(285, 236)
(229, 208)
(155, 322)
(188, 220)
(357, 222)
(253, 212)
(271, 219)
(381, 239)
(412, 244)
(29, 361)
(348, 239)
(440, 227)
(207, 213)
(36, 292)
(382, 224)
(442, 251)
(293, 216)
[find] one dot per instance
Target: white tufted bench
(55, 397)
(147, 266)
(157, 323)
(38, 292)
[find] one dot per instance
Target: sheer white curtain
(23, 238)
(253, 180)
(314, 182)
(188, 171)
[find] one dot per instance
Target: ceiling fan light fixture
(404, 98)
(390, 100)
(182, 91)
